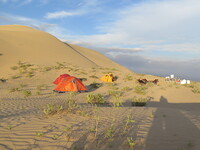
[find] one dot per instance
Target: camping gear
(109, 77)
(60, 78)
(70, 83)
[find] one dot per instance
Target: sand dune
(169, 121)
(22, 43)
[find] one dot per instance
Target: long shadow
(171, 129)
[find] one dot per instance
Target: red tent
(60, 78)
(70, 84)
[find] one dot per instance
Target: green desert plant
(26, 93)
(14, 90)
(116, 95)
(126, 89)
(140, 89)
(127, 122)
(71, 101)
(110, 132)
(139, 101)
(131, 142)
(196, 90)
(39, 134)
(95, 98)
(16, 76)
(128, 78)
(52, 109)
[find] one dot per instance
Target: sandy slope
(21, 43)
(170, 121)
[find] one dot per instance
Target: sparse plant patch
(139, 101)
(131, 142)
(95, 99)
(39, 134)
(55, 137)
(128, 78)
(196, 90)
(140, 89)
(116, 95)
(16, 76)
(26, 93)
(52, 109)
(110, 132)
(9, 127)
(14, 90)
(126, 89)
(127, 122)
(71, 102)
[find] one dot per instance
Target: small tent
(60, 78)
(109, 77)
(70, 84)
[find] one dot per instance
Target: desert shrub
(126, 89)
(52, 109)
(95, 98)
(196, 90)
(71, 103)
(140, 89)
(128, 78)
(26, 93)
(139, 101)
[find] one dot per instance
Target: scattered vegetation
(26, 93)
(71, 103)
(52, 109)
(39, 134)
(127, 122)
(140, 89)
(139, 101)
(128, 77)
(131, 142)
(95, 98)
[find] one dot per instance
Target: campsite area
(119, 115)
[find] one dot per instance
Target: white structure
(172, 76)
(188, 81)
(183, 81)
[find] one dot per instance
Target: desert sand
(30, 60)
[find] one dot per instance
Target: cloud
(188, 69)
(59, 14)
(171, 25)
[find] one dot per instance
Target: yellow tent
(109, 77)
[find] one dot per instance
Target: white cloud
(59, 14)
(161, 25)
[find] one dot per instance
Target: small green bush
(26, 93)
(52, 109)
(95, 98)
(139, 101)
(140, 89)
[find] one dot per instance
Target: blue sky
(160, 31)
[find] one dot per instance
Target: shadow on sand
(171, 128)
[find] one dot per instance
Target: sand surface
(169, 121)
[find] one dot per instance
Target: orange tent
(109, 77)
(70, 84)
(60, 78)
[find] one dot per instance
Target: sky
(158, 37)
